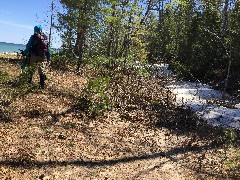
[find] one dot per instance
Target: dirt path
(48, 137)
(108, 148)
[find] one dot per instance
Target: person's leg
(42, 78)
(30, 69)
(42, 75)
(27, 70)
(33, 65)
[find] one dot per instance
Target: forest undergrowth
(106, 124)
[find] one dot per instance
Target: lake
(13, 48)
(10, 47)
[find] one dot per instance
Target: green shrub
(59, 62)
(96, 94)
(4, 77)
(181, 70)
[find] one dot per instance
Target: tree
(124, 32)
(76, 22)
(192, 35)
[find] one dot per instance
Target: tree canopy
(199, 39)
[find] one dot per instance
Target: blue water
(10, 47)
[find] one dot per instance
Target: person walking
(37, 54)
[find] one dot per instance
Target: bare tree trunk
(149, 8)
(225, 19)
(51, 24)
(114, 54)
(80, 44)
(160, 10)
(81, 34)
(110, 36)
(109, 45)
(225, 29)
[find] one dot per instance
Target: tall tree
(79, 16)
(123, 31)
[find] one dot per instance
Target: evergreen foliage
(199, 39)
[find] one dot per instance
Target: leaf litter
(47, 138)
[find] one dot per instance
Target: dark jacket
(37, 29)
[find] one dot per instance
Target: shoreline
(9, 53)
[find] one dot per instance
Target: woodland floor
(44, 135)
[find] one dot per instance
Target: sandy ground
(47, 137)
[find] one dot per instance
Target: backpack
(39, 45)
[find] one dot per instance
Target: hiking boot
(42, 81)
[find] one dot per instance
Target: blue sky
(18, 18)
